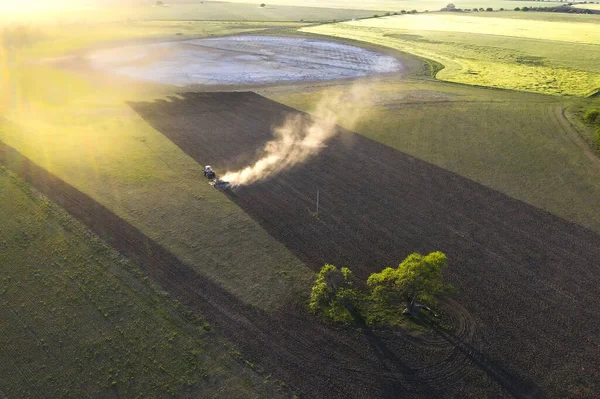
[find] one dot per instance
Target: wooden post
(317, 202)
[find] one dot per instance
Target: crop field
(519, 270)
(504, 50)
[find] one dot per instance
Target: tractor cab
(209, 173)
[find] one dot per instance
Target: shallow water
(243, 60)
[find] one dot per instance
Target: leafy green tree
(333, 293)
(417, 278)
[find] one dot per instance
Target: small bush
(525, 9)
(517, 9)
(597, 140)
(403, 12)
(413, 11)
(591, 116)
(387, 14)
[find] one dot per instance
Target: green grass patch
(79, 320)
(555, 55)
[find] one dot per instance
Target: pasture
(80, 320)
(504, 50)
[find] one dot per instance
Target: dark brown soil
(526, 316)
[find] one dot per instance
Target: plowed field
(528, 281)
(526, 317)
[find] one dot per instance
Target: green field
(178, 11)
(547, 53)
(419, 5)
(78, 320)
(588, 6)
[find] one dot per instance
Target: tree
(525, 9)
(417, 278)
(517, 9)
(450, 7)
(333, 293)
(489, 9)
(263, 5)
(160, 3)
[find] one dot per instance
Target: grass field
(78, 320)
(588, 6)
(505, 50)
(419, 5)
(197, 11)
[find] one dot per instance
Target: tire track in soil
(526, 277)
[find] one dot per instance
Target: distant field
(198, 11)
(506, 50)
(588, 6)
(419, 5)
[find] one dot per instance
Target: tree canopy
(417, 278)
(333, 294)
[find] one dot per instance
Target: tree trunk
(412, 308)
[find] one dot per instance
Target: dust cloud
(299, 138)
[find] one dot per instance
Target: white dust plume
(300, 138)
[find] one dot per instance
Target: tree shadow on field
(513, 383)
(391, 363)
